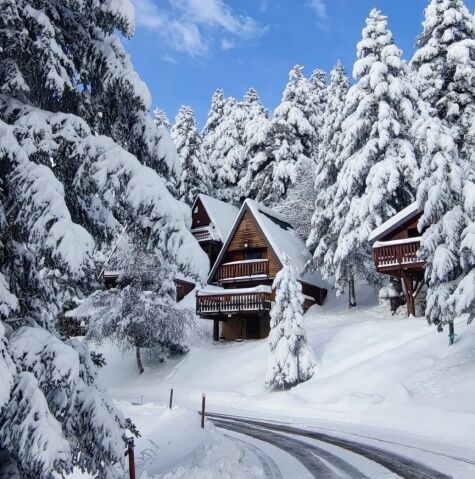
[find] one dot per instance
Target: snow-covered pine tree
(444, 65)
(447, 195)
(377, 178)
(160, 118)
(319, 90)
(229, 157)
(322, 239)
(291, 138)
(290, 360)
(215, 116)
(297, 110)
(66, 192)
(196, 173)
(141, 313)
(256, 131)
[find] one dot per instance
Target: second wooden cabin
(245, 269)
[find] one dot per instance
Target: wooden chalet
(395, 250)
(212, 221)
(239, 296)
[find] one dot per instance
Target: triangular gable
(245, 208)
(280, 238)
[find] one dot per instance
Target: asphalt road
(308, 447)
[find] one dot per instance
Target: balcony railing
(233, 303)
(242, 270)
(205, 233)
(397, 254)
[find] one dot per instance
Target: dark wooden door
(253, 328)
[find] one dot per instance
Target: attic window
(196, 209)
(281, 224)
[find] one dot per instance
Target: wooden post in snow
(171, 398)
(130, 453)
(203, 403)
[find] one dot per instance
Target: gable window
(253, 254)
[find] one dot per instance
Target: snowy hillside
(375, 373)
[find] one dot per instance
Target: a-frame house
(244, 272)
(212, 221)
(396, 245)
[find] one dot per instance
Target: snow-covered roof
(221, 214)
(397, 220)
(282, 238)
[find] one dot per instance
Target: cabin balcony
(393, 256)
(250, 300)
(251, 269)
(204, 233)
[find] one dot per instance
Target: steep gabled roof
(221, 214)
(397, 220)
(280, 235)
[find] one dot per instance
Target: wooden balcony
(217, 304)
(243, 270)
(205, 233)
(397, 255)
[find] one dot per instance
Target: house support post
(216, 330)
(409, 287)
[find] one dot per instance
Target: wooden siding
(248, 232)
(402, 231)
(199, 218)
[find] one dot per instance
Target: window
(253, 254)
(412, 233)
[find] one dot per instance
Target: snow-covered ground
(384, 377)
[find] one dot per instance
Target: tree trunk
(139, 359)
(351, 291)
(451, 333)
(396, 301)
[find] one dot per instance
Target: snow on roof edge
(399, 218)
(224, 223)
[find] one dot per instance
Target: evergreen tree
(322, 238)
(319, 90)
(196, 173)
(377, 176)
(444, 65)
(66, 191)
(228, 158)
(290, 139)
(215, 117)
(256, 131)
(290, 360)
(297, 110)
(160, 118)
(447, 194)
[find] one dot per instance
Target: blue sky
(185, 49)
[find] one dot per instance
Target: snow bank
(173, 446)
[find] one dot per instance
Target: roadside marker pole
(171, 398)
(203, 403)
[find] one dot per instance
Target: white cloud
(320, 8)
(191, 26)
(227, 44)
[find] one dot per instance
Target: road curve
(317, 460)
(270, 468)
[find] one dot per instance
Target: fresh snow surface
(379, 376)
(399, 218)
(256, 289)
(379, 244)
(221, 214)
(173, 446)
